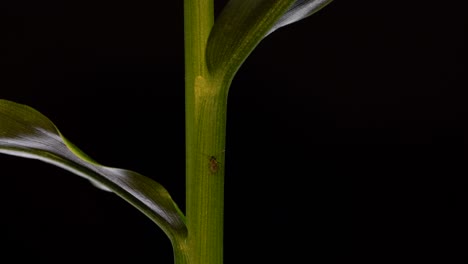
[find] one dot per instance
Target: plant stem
(180, 252)
(205, 140)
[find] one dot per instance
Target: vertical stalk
(205, 140)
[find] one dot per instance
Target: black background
(347, 130)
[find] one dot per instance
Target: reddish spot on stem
(214, 164)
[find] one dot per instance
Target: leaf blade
(299, 10)
(25, 132)
(238, 29)
(244, 23)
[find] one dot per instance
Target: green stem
(205, 140)
(180, 252)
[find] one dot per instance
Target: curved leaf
(27, 133)
(299, 10)
(244, 23)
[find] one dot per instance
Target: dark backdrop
(346, 130)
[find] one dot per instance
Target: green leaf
(27, 133)
(299, 10)
(243, 24)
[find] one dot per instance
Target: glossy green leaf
(244, 23)
(27, 133)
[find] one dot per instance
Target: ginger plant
(214, 51)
